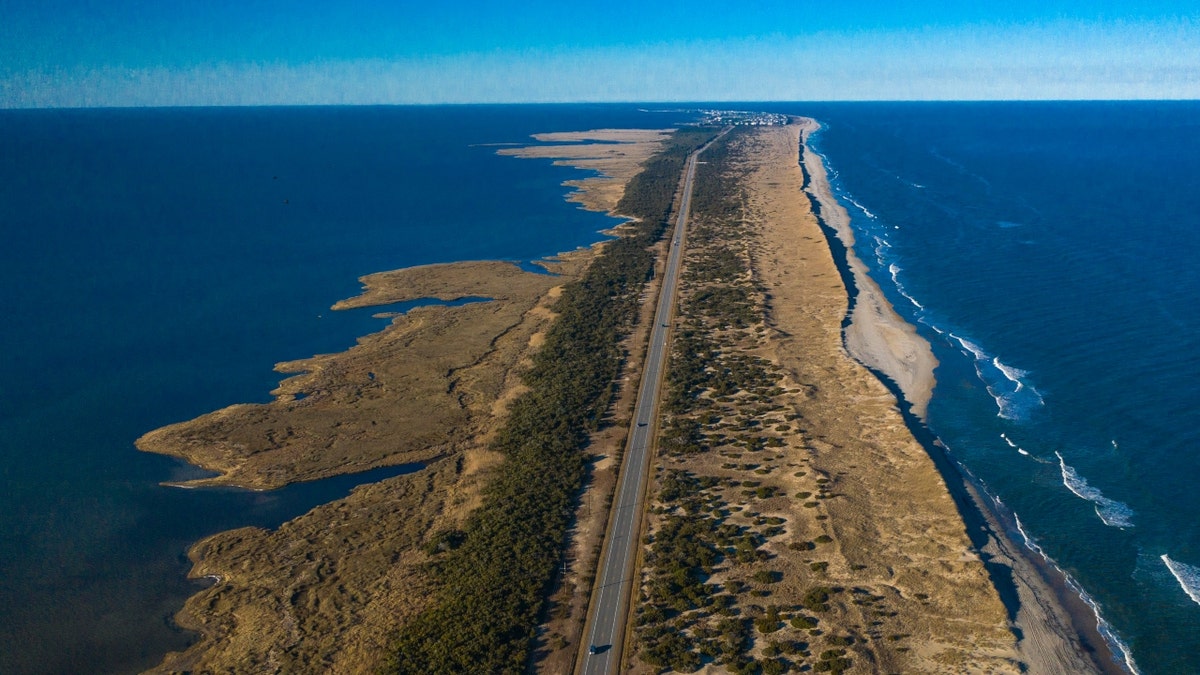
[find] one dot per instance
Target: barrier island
(797, 524)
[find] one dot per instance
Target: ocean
(1047, 251)
(156, 264)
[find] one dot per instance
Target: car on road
(641, 424)
(593, 650)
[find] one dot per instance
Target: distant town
(742, 118)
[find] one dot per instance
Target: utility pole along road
(605, 628)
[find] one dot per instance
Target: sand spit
(402, 395)
(617, 154)
(326, 591)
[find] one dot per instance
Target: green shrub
(816, 599)
(804, 622)
(767, 576)
(492, 586)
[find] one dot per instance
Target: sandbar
(615, 154)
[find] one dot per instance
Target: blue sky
(237, 52)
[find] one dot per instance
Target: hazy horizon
(70, 53)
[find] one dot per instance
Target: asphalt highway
(605, 628)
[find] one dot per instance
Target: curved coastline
(876, 336)
(1057, 629)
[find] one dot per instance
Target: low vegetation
(494, 575)
(711, 588)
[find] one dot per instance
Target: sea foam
(1015, 396)
(1112, 512)
(1014, 446)
(860, 207)
(1120, 649)
(1188, 577)
(895, 270)
(1118, 646)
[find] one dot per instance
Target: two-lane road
(605, 628)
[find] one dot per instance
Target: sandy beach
(860, 496)
(1055, 629)
(876, 336)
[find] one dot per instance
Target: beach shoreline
(875, 334)
(1056, 630)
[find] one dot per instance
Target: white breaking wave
(1028, 540)
(1105, 629)
(895, 270)
(1014, 446)
(861, 208)
(1119, 648)
(1112, 512)
(1015, 397)
(1014, 375)
(1188, 577)
(971, 347)
(881, 250)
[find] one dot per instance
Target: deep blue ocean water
(1048, 251)
(155, 264)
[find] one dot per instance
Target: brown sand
(882, 340)
(405, 394)
(617, 158)
(896, 528)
